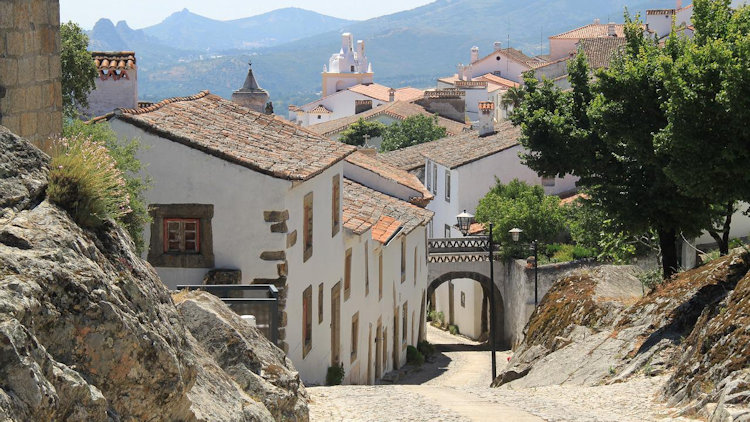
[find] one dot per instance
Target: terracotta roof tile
(399, 110)
(381, 92)
(365, 208)
(489, 77)
(408, 159)
(378, 166)
(515, 55)
(600, 51)
(320, 109)
(592, 30)
(114, 60)
(239, 135)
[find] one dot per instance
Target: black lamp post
(465, 220)
(515, 234)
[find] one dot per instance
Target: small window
(355, 336)
(320, 303)
(336, 205)
(308, 226)
(380, 275)
(434, 178)
(403, 259)
(447, 231)
(367, 270)
(463, 299)
(352, 68)
(319, 116)
(548, 181)
(447, 186)
(181, 235)
(415, 265)
(405, 329)
(497, 58)
(306, 321)
(428, 177)
(348, 273)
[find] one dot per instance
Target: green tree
(519, 205)
(124, 155)
(362, 129)
(413, 130)
(512, 97)
(78, 70)
(708, 111)
(603, 131)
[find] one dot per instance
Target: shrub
(335, 374)
(414, 356)
(453, 329)
(426, 348)
(650, 279)
(84, 180)
(581, 252)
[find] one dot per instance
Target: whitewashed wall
(340, 103)
(111, 94)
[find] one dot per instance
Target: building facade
(347, 68)
(116, 85)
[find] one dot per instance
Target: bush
(335, 374)
(414, 356)
(650, 279)
(84, 180)
(453, 329)
(426, 348)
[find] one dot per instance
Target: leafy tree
(78, 69)
(413, 130)
(519, 205)
(604, 132)
(512, 97)
(124, 155)
(362, 129)
(708, 111)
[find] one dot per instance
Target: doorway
(336, 324)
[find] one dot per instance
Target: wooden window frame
(380, 275)
(347, 274)
(159, 254)
(320, 303)
(355, 337)
(307, 226)
(447, 186)
(335, 205)
(182, 249)
(403, 259)
(306, 321)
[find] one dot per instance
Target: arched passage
(486, 284)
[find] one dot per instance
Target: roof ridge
(161, 104)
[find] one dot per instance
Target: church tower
(347, 68)
(251, 95)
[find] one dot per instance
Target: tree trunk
(722, 241)
(668, 245)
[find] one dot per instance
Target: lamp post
(515, 234)
(465, 221)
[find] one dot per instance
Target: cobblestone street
(455, 388)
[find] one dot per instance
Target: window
(320, 303)
(447, 231)
(355, 336)
(307, 229)
(548, 181)
(428, 177)
(336, 205)
(405, 329)
(463, 299)
(415, 265)
(352, 68)
(319, 116)
(403, 259)
(380, 274)
(181, 236)
(306, 321)
(447, 186)
(434, 178)
(348, 273)
(367, 270)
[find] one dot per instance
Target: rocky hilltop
(89, 333)
(597, 327)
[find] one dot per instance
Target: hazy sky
(142, 13)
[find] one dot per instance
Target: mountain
(188, 31)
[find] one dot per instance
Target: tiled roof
(221, 128)
(456, 151)
(660, 12)
(476, 228)
(363, 208)
(385, 228)
(320, 109)
(592, 30)
(381, 92)
(486, 105)
(489, 77)
(114, 60)
(379, 166)
(599, 51)
(408, 159)
(515, 55)
(399, 110)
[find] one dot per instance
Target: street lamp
(465, 220)
(515, 234)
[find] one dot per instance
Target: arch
(486, 283)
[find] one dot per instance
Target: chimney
(611, 30)
(498, 45)
(597, 21)
(391, 95)
(679, 4)
(486, 118)
(460, 72)
(474, 54)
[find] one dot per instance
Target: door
(336, 324)
(378, 347)
(385, 348)
(396, 343)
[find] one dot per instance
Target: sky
(143, 13)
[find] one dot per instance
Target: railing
(259, 300)
(459, 249)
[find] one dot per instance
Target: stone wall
(451, 106)
(30, 73)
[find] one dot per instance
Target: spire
(250, 83)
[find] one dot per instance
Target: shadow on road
(438, 363)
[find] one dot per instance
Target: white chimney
(391, 95)
(460, 72)
(611, 30)
(498, 45)
(486, 118)
(597, 21)
(474, 54)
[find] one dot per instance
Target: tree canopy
(78, 69)
(413, 130)
(362, 129)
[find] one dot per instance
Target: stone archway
(486, 284)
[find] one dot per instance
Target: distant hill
(412, 47)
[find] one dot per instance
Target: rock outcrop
(89, 333)
(592, 328)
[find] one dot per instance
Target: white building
(236, 190)
(488, 87)
(116, 85)
(459, 171)
(347, 68)
(660, 21)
